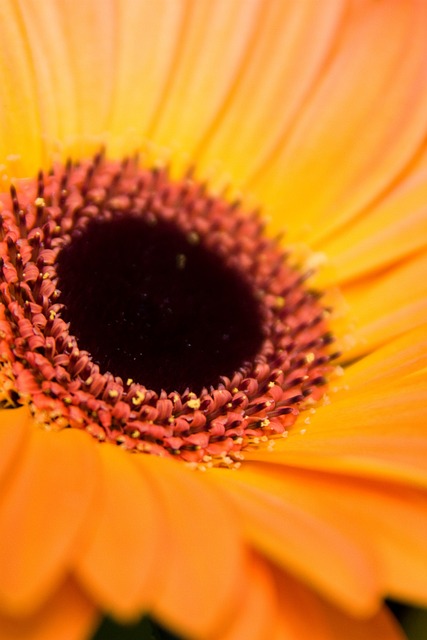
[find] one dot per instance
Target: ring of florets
(43, 366)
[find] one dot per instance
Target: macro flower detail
(157, 318)
(212, 381)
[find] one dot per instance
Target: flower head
(201, 419)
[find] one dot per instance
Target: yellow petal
(20, 139)
(360, 127)
(120, 559)
(253, 58)
(68, 615)
(202, 555)
(65, 80)
(42, 514)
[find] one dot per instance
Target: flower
(317, 112)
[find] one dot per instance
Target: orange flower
(317, 112)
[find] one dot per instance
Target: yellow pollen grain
(194, 403)
(181, 260)
(309, 357)
(138, 398)
(89, 381)
(279, 302)
(271, 384)
(265, 422)
(46, 275)
(52, 314)
(40, 202)
(113, 393)
(129, 382)
(193, 237)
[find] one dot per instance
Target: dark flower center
(153, 304)
(153, 315)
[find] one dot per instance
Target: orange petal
(401, 357)
(268, 67)
(53, 109)
(386, 523)
(42, 513)
(295, 597)
(360, 126)
(386, 306)
(328, 622)
(381, 626)
(14, 425)
(201, 561)
(121, 558)
(393, 229)
(298, 531)
(255, 615)
(68, 615)
(19, 111)
(375, 431)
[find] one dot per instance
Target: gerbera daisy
(213, 344)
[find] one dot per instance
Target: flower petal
(281, 57)
(56, 471)
(380, 626)
(68, 615)
(203, 546)
(393, 229)
(385, 306)
(13, 430)
(330, 623)
(298, 531)
(391, 519)
(256, 616)
(406, 355)
(377, 431)
(19, 112)
(52, 109)
(369, 532)
(340, 155)
(119, 562)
